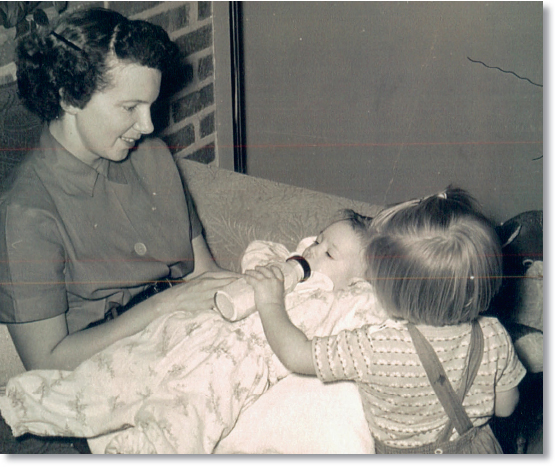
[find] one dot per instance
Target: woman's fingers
(194, 295)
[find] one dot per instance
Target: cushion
(302, 415)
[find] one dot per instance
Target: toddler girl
(435, 265)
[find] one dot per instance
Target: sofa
(299, 415)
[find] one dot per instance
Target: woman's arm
(288, 342)
(47, 344)
(204, 261)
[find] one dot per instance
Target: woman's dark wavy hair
(75, 58)
(435, 261)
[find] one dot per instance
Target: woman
(97, 214)
(188, 378)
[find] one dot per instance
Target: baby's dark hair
(72, 61)
(361, 225)
(435, 261)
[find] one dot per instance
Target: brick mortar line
(192, 27)
(196, 146)
(194, 120)
(192, 87)
(159, 9)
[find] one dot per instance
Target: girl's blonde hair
(435, 261)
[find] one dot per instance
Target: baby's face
(337, 253)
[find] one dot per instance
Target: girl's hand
(287, 341)
(267, 283)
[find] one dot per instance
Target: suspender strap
(451, 402)
(476, 353)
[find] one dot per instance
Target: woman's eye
(328, 255)
(130, 109)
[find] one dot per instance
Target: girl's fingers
(270, 272)
(255, 273)
(265, 272)
(278, 273)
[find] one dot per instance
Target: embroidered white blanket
(180, 385)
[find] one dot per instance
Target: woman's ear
(66, 107)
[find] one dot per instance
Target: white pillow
(302, 415)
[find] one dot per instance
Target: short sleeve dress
(78, 240)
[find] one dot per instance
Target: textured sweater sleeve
(510, 370)
(345, 356)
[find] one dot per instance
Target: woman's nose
(144, 123)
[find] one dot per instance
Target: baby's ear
(362, 270)
(366, 272)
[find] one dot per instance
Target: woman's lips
(129, 141)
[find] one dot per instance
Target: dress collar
(74, 176)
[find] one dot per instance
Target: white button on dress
(140, 248)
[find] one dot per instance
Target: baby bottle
(236, 300)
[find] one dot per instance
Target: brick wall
(185, 120)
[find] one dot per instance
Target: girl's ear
(66, 107)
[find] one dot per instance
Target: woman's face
(114, 119)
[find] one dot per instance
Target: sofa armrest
(236, 209)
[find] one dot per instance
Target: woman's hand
(197, 291)
(193, 295)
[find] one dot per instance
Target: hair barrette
(67, 42)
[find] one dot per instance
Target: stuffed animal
(519, 305)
